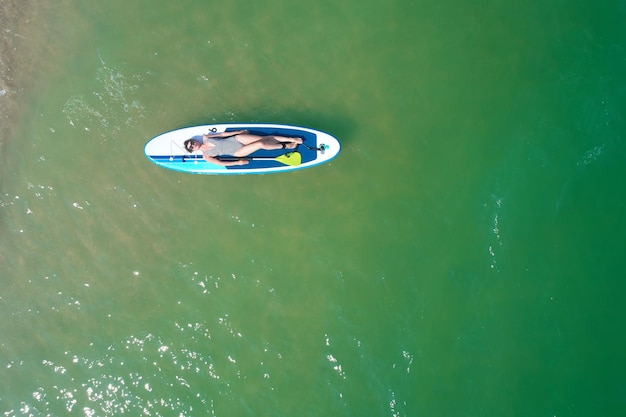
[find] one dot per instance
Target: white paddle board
(168, 151)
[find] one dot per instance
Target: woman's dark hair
(189, 143)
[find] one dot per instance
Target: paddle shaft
(290, 158)
(228, 158)
(245, 158)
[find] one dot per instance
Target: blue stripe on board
(193, 160)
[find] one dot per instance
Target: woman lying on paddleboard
(238, 143)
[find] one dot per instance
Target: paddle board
(168, 151)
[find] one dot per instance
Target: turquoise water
(463, 256)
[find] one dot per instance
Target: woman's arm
(224, 134)
(216, 161)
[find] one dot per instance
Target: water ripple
(142, 375)
(115, 105)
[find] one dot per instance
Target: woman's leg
(253, 143)
(247, 138)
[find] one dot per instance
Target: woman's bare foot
(289, 145)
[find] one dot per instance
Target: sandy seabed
(17, 42)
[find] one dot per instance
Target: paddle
(290, 158)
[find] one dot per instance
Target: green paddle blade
(291, 158)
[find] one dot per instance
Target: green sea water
(462, 256)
